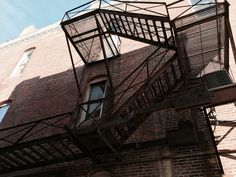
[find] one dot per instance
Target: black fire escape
(191, 54)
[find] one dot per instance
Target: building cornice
(38, 33)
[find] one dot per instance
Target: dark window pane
(97, 92)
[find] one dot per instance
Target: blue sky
(15, 15)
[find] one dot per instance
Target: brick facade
(47, 87)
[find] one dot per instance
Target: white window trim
(22, 62)
(194, 8)
(5, 111)
(115, 43)
(85, 107)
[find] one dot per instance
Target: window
(95, 100)
(111, 42)
(202, 4)
(3, 110)
(22, 63)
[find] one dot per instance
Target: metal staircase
(94, 34)
(87, 30)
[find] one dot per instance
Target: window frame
(20, 66)
(2, 105)
(113, 40)
(85, 106)
(196, 8)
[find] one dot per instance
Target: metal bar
(38, 153)
(111, 21)
(73, 65)
(147, 9)
(105, 21)
(135, 29)
(165, 53)
(194, 13)
(28, 123)
(87, 38)
(29, 155)
(213, 140)
(31, 128)
(57, 150)
(141, 28)
(154, 92)
(77, 50)
(200, 22)
(226, 42)
(86, 32)
(48, 152)
(137, 68)
(21, 157)
(167, 79)
(173, 3)
(7, 162)
(108, 144)
(127, 21)
(80, 6)
(47, 125)
(104, 52)
(187, 9)
(67, 148)
(83, 148)
(138, 2)
(155, 27)
(184, 67)
(137, 38)
(117, 23)
(4, 165)
(123, 25)
(231, 37)
(149, 31)
(173, 72)
(12, 159)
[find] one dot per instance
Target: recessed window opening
(3, 110)
(22, 62)
(93, 107)
(111, 42)
(201, 5)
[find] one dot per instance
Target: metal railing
(140, 7)
(34, 130)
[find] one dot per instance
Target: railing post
(226, 43)
(100, 4)
(184, 63)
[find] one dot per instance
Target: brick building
(122, 88)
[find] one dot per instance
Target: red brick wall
(47, 88)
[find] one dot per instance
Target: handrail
(36, 121)
(116, 5)
(31, 130)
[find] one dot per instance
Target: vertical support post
(104, 52)
(218, 25)
(231, 37)
(184, 63)
(100, 4)
(226, 43)
(73, 65)
(213, 140)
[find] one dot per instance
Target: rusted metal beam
(226, 41)
(196, 97)
(215, 17)
(108, 143)
(213, 140)
(231, 37)
(100, 32)
(223, 95)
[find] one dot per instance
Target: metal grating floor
(217, 79)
